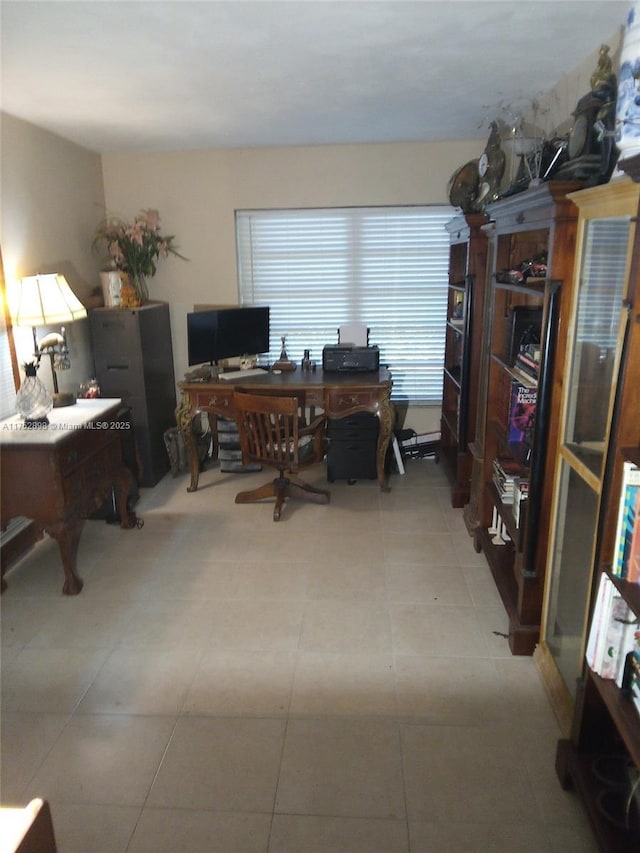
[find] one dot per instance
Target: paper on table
(354, 333)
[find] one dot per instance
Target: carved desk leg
(67, 535)
(184, 421)
(387, 416)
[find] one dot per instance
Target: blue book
(626, 518)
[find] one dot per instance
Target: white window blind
(385, 267)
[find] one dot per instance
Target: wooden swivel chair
(271, 434)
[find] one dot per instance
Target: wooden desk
(58, 475)
(337, 394)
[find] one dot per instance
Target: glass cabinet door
(596, 330)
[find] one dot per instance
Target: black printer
(351, 358)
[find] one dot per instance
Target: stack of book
(613, 633)
(528, 361)
(504, 473)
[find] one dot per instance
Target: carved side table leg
(184, 421)
(387, 416)
(67, 535)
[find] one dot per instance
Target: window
(7, 356)
(386, 267)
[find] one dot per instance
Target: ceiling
(175, 74)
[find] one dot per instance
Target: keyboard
(239, 375)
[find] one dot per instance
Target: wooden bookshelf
(539, 222)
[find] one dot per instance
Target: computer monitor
(227, 332)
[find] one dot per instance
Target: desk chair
(270, 433)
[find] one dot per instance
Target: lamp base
(63, 398)
(36, 423)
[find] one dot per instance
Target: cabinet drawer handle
(520, 218)
(217, 401)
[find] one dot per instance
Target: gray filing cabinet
(134, 361)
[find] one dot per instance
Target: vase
(628, 100)
(33, 401)
(134, 291)
(140, 285)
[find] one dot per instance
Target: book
(613, 632)
(634, 675)
(626, 559)
(528, 365)
(520, 496)
(616, 623)
(595, 641)
(522, 412)
(633, 560)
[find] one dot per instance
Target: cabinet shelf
(533, 288)
(454, 374)
(578, 767)
(449, 421)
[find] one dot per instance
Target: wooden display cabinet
(598, 324)
(465, 307)
(605, 721)
(540, 222)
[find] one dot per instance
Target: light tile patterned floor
(335, 682)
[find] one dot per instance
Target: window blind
(385, 267)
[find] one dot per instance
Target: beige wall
(197, 194)
(53, 197)
(52, 194)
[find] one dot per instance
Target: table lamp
(45, 300)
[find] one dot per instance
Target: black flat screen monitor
(227, 332)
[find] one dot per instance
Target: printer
(350, 358)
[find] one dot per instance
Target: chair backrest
(268, 429)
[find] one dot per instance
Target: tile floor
(335, 682)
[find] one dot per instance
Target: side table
(56, 475)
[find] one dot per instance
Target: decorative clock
(490, 167)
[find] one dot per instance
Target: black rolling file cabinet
(134, 361)
(353, 443)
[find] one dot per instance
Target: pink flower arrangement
(135, 247)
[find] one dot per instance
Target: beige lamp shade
(44, 300)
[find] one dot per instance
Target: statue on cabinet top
(592, 151)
